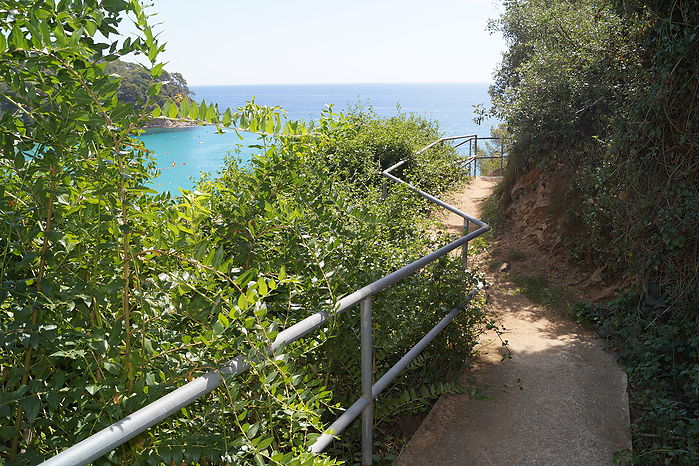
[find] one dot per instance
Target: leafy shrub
(568, 67)
(371, 144)
(136, 80)
(660, 352)
(113, 295)
(343, 236)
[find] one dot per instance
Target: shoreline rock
(163, 123)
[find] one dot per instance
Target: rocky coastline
(165, 123)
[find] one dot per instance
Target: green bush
(371, 144)
(660, 355)
(113, 295)
(568, 68)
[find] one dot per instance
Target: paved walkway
(559, 400)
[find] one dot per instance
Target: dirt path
(469, 201)
(560, 399)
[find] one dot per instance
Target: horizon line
(341, 83)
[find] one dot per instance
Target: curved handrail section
(471, 161)
(125, 429)
(450, 138)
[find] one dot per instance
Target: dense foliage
(112, 295)
(661, 362)
(134, 85)
(604, 94)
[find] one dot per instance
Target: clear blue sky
(328, 41)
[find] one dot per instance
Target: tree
(66, 152)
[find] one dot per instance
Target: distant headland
(135, 82)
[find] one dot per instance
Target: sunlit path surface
(559, 400)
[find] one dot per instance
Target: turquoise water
(182, 154)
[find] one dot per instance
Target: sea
(183, 154)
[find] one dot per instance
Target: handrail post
(367, 352)
(475, 165)
(502, 153)
(464, 248)
(384, 189)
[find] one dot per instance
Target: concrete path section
(556, 397)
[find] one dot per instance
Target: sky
(226, 42)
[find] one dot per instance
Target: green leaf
(17, 39)
(115, 333)
(194, 112)
(185, 107)
(242, 302)
(112, 368)
(31, 407)
(224, 320)
(7, 432)
(172, 111)
(92, 388)
(212, 114)
(148, 346)
(202, 110)
(154, 89)
(157, 70)
(19, 160)
(3, 43)
(262, 287)
(91, 27)
(264, 443)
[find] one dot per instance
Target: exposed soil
(533, 240)
(468, 201)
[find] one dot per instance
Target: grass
(491, 211)
(514, 255)
(541, 291)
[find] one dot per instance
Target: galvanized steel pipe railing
(473, 157)
(364, 405)
(121, 431)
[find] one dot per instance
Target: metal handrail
(473, 157)
(450, 138)
(121, 431)
(370, 390)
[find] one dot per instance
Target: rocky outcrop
(167, 124)
(530, 211)
(536, 223)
